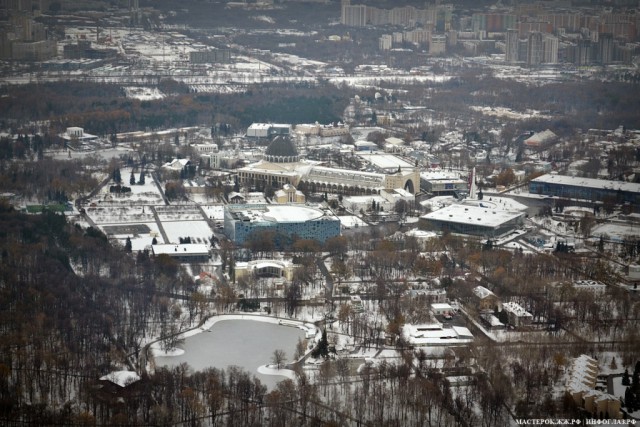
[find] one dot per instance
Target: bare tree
(278, 358)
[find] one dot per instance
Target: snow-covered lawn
(616, 231)
(215, 212)
(509, 113)
(140, 241)
(199, 231)
(351, 221)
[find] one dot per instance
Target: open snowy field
(141, 194)
(617, 232)
(214, 212)
(351, 221)
(199, 231)
(140, 241)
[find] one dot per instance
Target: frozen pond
(245, 343)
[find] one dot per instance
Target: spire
(472, 184)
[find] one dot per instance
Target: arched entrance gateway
(268, 269)
(408, 186)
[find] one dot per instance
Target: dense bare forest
(103, 110)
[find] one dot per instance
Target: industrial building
(218, 56)
(588, 189)
(441, 183)
(183, 252)
(473, 220)
(435, 334)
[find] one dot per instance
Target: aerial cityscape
(319, 213)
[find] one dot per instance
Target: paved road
(159, 224)
(328, 278)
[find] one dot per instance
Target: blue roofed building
(287, 222)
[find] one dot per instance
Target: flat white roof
(446, 181)
(463, 214)
(393, 140)
(277, 213)
(282, 264)
(260, 126)
(402, 192)
(441, 175)
(181, 250)
(345, 176)
(433, 335)
(384, 161)
(588, 182)
(285, 213)
(365, 144)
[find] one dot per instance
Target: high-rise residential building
(452, 38)
(385, 42)
(550, 49)
(624, 53)
(534, 48)
(417, 36)
(526, 27)
(354, 16)
(444, 13)
(18, 5)
(583, 52)
(343, 5)
(523, 49)
(405, 16)
(605, 48)
(568, 21)
(623, 25)
(493, 22)
(438, 16)
(511, 46)
(437, 45)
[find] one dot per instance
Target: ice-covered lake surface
(245, 343)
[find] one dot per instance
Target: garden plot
(141, 235)
(178, 213)
(140, 194)
(198, 231)
(120, 215)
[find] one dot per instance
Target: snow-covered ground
(143, 93)
(351, 221)
(509, 113)
(198, 231)
(617, 231)
(140, 242)
(215, 212)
